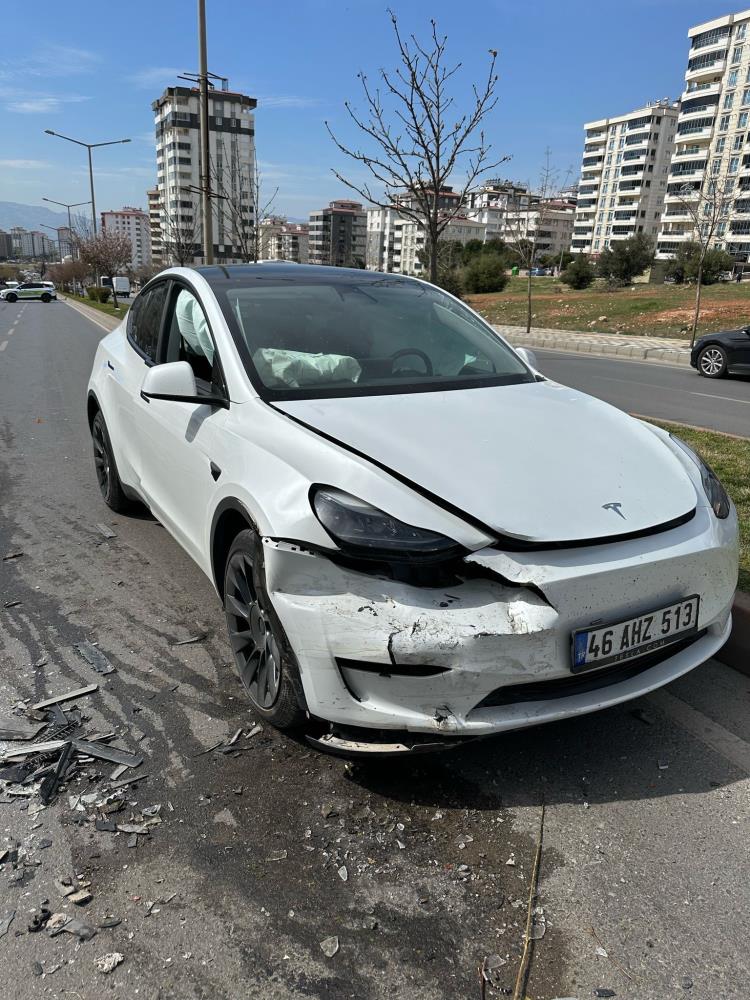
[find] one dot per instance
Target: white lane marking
(730, 399)
(706, 730)
(3, 345)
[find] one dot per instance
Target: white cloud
(23, 164)
(50, 60)
(23, 102)
(154, 76)
(290, 101)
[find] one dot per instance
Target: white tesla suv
(415, 535)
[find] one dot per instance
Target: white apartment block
(712, 132)
(135, 224)
(624, 173)
(282, 240)
(232, 164)
(154, 221)
(33, 244)
(409, 241)
(546, 224)
(493, 201)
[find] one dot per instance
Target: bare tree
(709, 207)
(524, 227)
(180, 232)
(415, 141)
(243, 208)
(106, 254)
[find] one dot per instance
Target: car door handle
(110, 365)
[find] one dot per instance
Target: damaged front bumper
(491, 651)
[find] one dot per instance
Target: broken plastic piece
(329, 946)
(48, 788)
(16, 729)
(94, 656)
(68, 696)
(104, 530)
(198, 637)
(103, 751)
(6, 922)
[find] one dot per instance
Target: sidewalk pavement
(102, 319)
(660, 349)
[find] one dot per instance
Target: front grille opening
(565, 687)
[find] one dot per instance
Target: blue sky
(91, 70)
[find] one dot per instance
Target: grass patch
(729, 457)
(644, 310)
(105, 307)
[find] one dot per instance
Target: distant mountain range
(12, 213)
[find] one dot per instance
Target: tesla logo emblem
(614, 507)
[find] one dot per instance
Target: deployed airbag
(279, 368)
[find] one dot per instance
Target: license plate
(636, 636)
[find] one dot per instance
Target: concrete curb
(736, 652)
(578, 344)
(108, 323)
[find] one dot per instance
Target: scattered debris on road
(94, 656)
(329, 946)
(108, 963)
(104, 530)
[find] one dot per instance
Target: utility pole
(205, 177)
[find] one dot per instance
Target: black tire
(262, 654)
(106, 467)
(713, 361)
(46, 297)
(11, 297)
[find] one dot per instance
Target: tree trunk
(528, 300)
(433, 257)
(697, 311)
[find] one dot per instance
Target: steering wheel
(406, 351)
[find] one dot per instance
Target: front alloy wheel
(106, 469)
(262, 654)
(712, 361)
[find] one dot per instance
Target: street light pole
(205, 178)
(89, 146)
(64, 204)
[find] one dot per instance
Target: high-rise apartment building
(154, 221)
(491, 203)
(135, 224)
(711, 143)
(547, 224)
(33, 244)
(6, 245)
(232, 167)
(624, 171)
(338, 235)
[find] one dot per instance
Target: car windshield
(363, 337)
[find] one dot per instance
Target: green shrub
(449, 279)
(104, 294)
(92, 292)
(579, 273)
(486, 273)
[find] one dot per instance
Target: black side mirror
(747, 330)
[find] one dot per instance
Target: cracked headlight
(717, 495)
(363, 530)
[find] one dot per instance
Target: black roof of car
(217, 274)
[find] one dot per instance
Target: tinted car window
(355, 338)
(144, 320)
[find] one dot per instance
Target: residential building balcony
(696, 111)
(705, 89)
(696, 132)
(580, 244)
(714, 40)
(714, 67)
(630, 185)
(676, 213)
(597, 137)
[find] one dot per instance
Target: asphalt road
(656, 390)
(644, 868)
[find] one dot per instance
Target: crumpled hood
(537, 461)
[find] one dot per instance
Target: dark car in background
(724, 353)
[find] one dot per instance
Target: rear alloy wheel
(46, 297)
(264, 659)
(106, 469)
(11, 298)
(712, 361)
